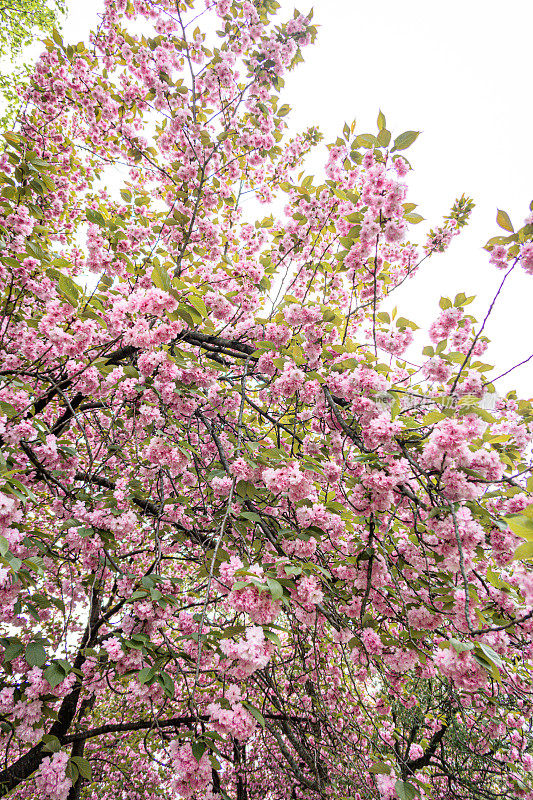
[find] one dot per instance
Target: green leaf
(490, 654)
(68, 289)
(4, 545)
(384, 137)
(14, 562)
(145, 674)
(255, 713)
(403, 322)
(198, 303)
(23, 489)
(483, 662)
(35, 654)
(461, 647)
(520, 525)
(189, 313)
(51, 744)
(167, 683)
(160, 278)
(83, 766)
(380, 768)
(54, 674)
(502, 218)
(198, 749)
(96, 218)
(12, 138)
(240, 584)
(524, 552)
(405, 791)
(251, 515)
(295, 569)
(275, 587)
(381, 120)
(71, 771)
(496, 240)
(367, 140)
(35, 250)
(8, 409)
(245, 488)
(13, 647)
(405, 140)
(11, 262)
(413, 218)
(273, 637)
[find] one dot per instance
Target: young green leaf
(405, 140)
(35, 654)
(405, 791)
(503, 220)
(84, 768)
(255, 713)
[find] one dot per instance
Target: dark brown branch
(424, 760)
(142, 725)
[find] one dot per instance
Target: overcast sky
(461, 73)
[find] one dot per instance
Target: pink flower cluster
(461, 667)
(236, 720)
(189, 775)
(258, 604)
(247, 655)
(51, 780)
(526, 257)
(290, 479)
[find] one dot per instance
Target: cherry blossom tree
(252, 544)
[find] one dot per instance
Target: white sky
(461, 73)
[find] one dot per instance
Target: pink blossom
(189, 775)
(51, 780)
(526, 257)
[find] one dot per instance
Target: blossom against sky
(460, 73)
